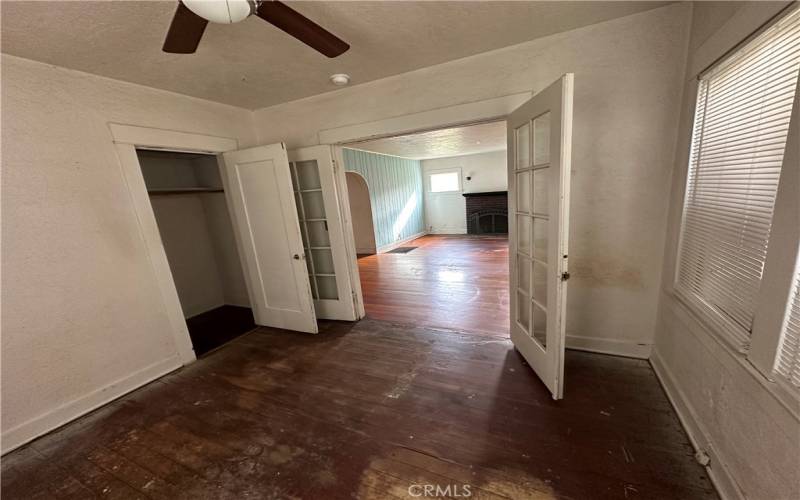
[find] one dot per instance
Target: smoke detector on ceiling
(340, 79)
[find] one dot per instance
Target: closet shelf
(174, 191)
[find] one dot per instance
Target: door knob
(296, 257)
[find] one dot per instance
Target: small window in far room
(445, 182)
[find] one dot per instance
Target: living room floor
(458, 282)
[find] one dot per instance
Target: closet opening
(188, 201)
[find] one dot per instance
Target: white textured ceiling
(458, 141)
(252, 64)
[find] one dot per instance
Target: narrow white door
(321, 226)
(258, 187)
(539, 145)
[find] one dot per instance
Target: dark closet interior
(189, 205)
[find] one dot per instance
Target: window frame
(455, 170)
(782, 258)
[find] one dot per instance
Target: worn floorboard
(426, 391)
(458, 282)
(366, 410)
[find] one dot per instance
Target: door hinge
(564, 276)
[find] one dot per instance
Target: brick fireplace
(487, 213)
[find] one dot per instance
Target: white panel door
(321, 227)
(539, 145)
(258, 187)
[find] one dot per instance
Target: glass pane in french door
(524, 234)
(540, 212)
(523, 149)
(539, 283)
(523, 191)
(314, 229)
(539, 327)
(540, 239)
(308, 174)
(524, 312)
(524, 274)
(541, 139)
(531, 175)
(541, 178)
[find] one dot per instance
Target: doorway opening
(361, 214)
(188, 201)
(420, 184)
(433, 242)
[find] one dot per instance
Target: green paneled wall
(395, 191)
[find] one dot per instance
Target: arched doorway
(361, 213)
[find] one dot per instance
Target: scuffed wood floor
(458, 282)
(367, 410)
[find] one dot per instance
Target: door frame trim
(126, 139)
(340, 178)
(470, 113)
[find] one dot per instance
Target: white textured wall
(754, 441)
(445, 213)
(628, 80)
(82, 316)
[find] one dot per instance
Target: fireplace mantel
(486, 193)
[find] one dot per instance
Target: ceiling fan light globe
(221, 11)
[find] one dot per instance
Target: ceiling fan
(192, 16)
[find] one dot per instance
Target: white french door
(258, 187)
(539, 145)
(322, 231)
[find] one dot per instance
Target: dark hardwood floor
(379, 409)
(456, 282)
(367, 410)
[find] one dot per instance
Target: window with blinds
(788, 363)
(741, 123)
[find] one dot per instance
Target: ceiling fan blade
(185, 31)
(302, 28)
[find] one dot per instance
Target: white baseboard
(239, 302)
(607, 346)
(447, 230)
(719, 474)
(42, 424)
(399, 243)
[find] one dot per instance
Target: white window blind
(788, 363)
(741, 123)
